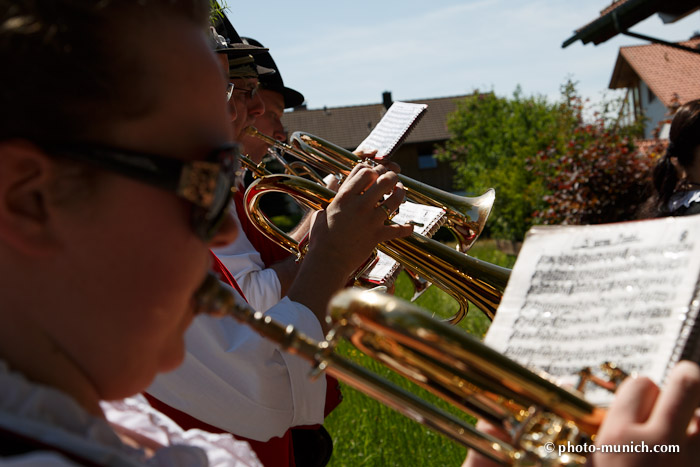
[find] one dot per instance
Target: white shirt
(260, 285)
(44, 413)
(235, 380)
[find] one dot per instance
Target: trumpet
(463, 277)
(530, 408)
(465, 216)
(427, 262)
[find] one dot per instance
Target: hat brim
(291, 97)
(238, 49)
(264, 70)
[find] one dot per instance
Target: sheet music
(392, 128)
(427, 218)
(583, 295)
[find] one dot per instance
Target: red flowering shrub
(599, 177)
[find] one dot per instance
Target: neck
(30, 350)
(692, 175)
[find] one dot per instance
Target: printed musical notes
(392, 129)
(582, 295)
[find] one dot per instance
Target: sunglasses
(208, 185)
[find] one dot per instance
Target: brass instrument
(532, 410)
(466, 216)
(461, 276)
(258, 170)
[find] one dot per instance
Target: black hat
(273, 81)
(227, 40)
(240, 55)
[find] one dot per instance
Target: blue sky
(348, 52)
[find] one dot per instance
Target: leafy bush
(548, 164)
(600, 175)
(492, 143)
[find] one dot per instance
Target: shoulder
(685, 203)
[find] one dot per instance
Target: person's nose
(278, 132)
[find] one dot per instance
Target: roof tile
(348, 126)
(667, 71)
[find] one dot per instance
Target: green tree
(218, 9)
(493, 143)
(599, 176)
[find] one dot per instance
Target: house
(658, 79)
(621, 15)
(349, 126)
(659, 76)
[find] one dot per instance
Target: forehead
(245, 83)
(186, 81)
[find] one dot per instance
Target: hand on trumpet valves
(332, 182)
(355, 222)
(662, 418)
(640, 413)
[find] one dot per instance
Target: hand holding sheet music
(392, 129)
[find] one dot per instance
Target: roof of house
(349, 126)
(623, 14)
(670, 73)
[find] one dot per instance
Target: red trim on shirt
(224, 274)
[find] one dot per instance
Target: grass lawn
(366, 432)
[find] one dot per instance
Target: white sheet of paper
(582, 295)
(392, 128)
(429, 216)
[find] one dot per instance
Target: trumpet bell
(458, 368)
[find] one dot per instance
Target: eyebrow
(248, 81)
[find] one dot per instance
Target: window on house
(426, 161)
(650, 95)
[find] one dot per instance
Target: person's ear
(26, 175)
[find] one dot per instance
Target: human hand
(385, 161)
(641, 412)
(475, 459)
(365, 154)
(332, 182)
(355, 221)
(345, 233)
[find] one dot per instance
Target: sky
(340, 53)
